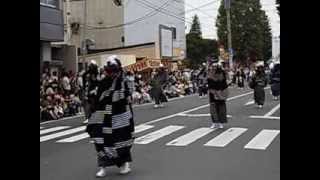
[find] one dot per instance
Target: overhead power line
(148, 15)
(175, 16)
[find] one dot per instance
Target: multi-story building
(51, 29)
(113, 28)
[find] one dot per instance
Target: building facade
(146, 17)
(134, 22)
(51, 29)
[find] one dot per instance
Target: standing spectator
(218, 94)
(66, 84)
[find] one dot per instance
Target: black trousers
(203, 90)
(218, 111)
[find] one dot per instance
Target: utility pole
(83, 34)
(227, 4)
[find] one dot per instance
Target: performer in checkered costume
(111, 124)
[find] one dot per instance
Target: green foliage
(197, 47)
(195, 27)
(250, 29)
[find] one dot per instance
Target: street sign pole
(227, 4)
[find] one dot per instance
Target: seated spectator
(136, 97)
(172, 91)
(146, 98)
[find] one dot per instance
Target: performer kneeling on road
(258, 83)
(111, 124)
(218, 93)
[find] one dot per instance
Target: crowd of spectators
(59, 95)
(61, 92)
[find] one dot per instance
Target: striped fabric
(121, 120)
(113, 135)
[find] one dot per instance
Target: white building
(131, 28)
(154, 13)
(275, 47)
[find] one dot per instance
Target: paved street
(176, 143)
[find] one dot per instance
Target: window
(174, 33)
(49, 3)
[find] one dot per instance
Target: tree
(267, 38)
(278, 7)
(250, 30)
(197, 47)
(195, 27)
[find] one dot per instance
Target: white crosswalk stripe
(63, 133)
(138, 129)
(148, 138)
(46, 131)
(226, 137)
(190, 137)
(262, 140)
(74, 138)
(41, 127)
(142, 127)
(249, 103)
(259, 142)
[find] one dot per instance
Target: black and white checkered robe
(111, 125)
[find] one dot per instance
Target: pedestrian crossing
(224, 137)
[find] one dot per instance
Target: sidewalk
(81, 117)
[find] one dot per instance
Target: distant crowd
(61, 92)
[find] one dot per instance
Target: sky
(210, 11)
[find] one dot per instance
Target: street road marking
(249, 103)
(199, 115)
(142, 127)
(74, 138)
(63, 133)
(264, 117)
(197, 108)
(190, 137)
(41, 127)
(138, 105)
(53, 129)
(79, 137)
(272, 111)
(172, 99)
(226, 137)
(63, 119)
(262, 140)
(148, 138)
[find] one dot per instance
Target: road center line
(264, 117)
(194, 109)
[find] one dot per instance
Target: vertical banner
(166, 41)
